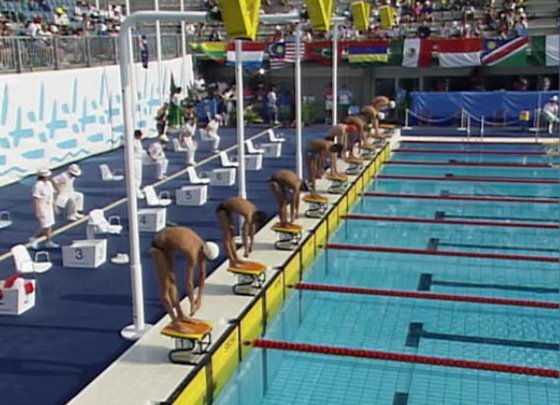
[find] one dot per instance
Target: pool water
(514, 335)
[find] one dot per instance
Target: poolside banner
(252, 54)
(462, 52)
(416, 52)
(545, 50)
(505, 52)
(368, 52)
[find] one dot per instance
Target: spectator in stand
(426, 12)
(521, 27)
(544, 83)
(520, 84)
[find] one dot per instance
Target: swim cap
(381, 116)
(392, 104)
(211, 250)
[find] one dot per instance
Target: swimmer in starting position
(286, 186)
(318, 151)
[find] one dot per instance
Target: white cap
(211, 251)
(554, 98)
(75, 170)
(218, 116)
(163, 138)
(381, 115)
(392, 104)
(44, 173)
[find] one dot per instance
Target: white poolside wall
(48, 119)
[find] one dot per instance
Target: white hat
(381, 115)
(163, 138)
(392, 104)
(211, 251)
(75, 170)
(44, 173)
(554, 98)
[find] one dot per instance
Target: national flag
(458, 52)
(416, 52)
(320, 52)
(545, 50)
(505, 52)
(252, 54)
(213, 50)
(368, 52)
(281, 54)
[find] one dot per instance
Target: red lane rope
(405, 358)
(471, 143)
(387, 249)
(477, 179)
(470, 152)
(451, 221)
(476, 164)
(466, 198)
(426, 296)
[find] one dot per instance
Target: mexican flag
(416, 53)
(458, 52)
(252, 54)
(505, 52)
(545, 50)
(213, 50)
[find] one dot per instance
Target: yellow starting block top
(337, 177)
(200, 329)
(293, 228)
(355, 160)
(249, 268)
(387, 126)
(318, 199)
(369, 146)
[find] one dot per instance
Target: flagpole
(240, 119)
(183, 49)
(158, 51)
(299, 140)
(335, 74)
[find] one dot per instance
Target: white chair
(193, 177)
(26, 265)
(154, 200)
(5, 219)
(273, 138)
(108, 175)
(177, 146)
(225, 160)
(251, 150)
(97, 223)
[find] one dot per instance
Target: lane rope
(475, 164)
(470, 152)
(471, 179)
(464, 198)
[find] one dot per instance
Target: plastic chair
(108, 175)
(194, 178)
(5, 219)
(225, 161)
(251, 148)
(273, 138)
(154, 200)
(97, 223)
(25, 265)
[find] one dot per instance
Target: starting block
(189, 347)
(288, 236)
(316, 205)
(354, 165)
(17, 295)
(338, 183)
(368, 150)
(250, 279)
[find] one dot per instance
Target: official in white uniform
(551, 113)
(157, 154)
(43, 204)
(138, 154)
(66, 197)
(186, 140)
(212, 132)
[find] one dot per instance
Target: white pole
(406, 124)
(240, 119)
(469, 127)
(299, 137)
(335, 74)
(482, 128)
(97, 5)
(138, 328)
(158, 50)
(183, 34)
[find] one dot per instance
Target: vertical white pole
(482, 128)
(299, 137)
(406, 120)
(158, 50)
(133, 82)
(138, 328)
(240, 119)
(183, 49)
(335, 74)
(128, 11)
(97, 4)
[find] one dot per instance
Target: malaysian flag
(281, 54)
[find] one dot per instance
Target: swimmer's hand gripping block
(189, 347)
(361, 11)
(241, 18)
(288, 236)
(250, 278)
(320, 13)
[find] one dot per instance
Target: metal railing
(26, 54)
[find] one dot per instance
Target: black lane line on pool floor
(447, 193)
(442, 215)
(426, 281)
(416, 332)
(400, 398)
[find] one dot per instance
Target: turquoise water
(501, 334)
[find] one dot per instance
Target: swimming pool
(425, 228)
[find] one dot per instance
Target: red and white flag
(417, 53)
(252, 54)
(459, 52)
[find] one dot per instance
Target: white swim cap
(381, 115)
(392, 104)
(211, 250)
